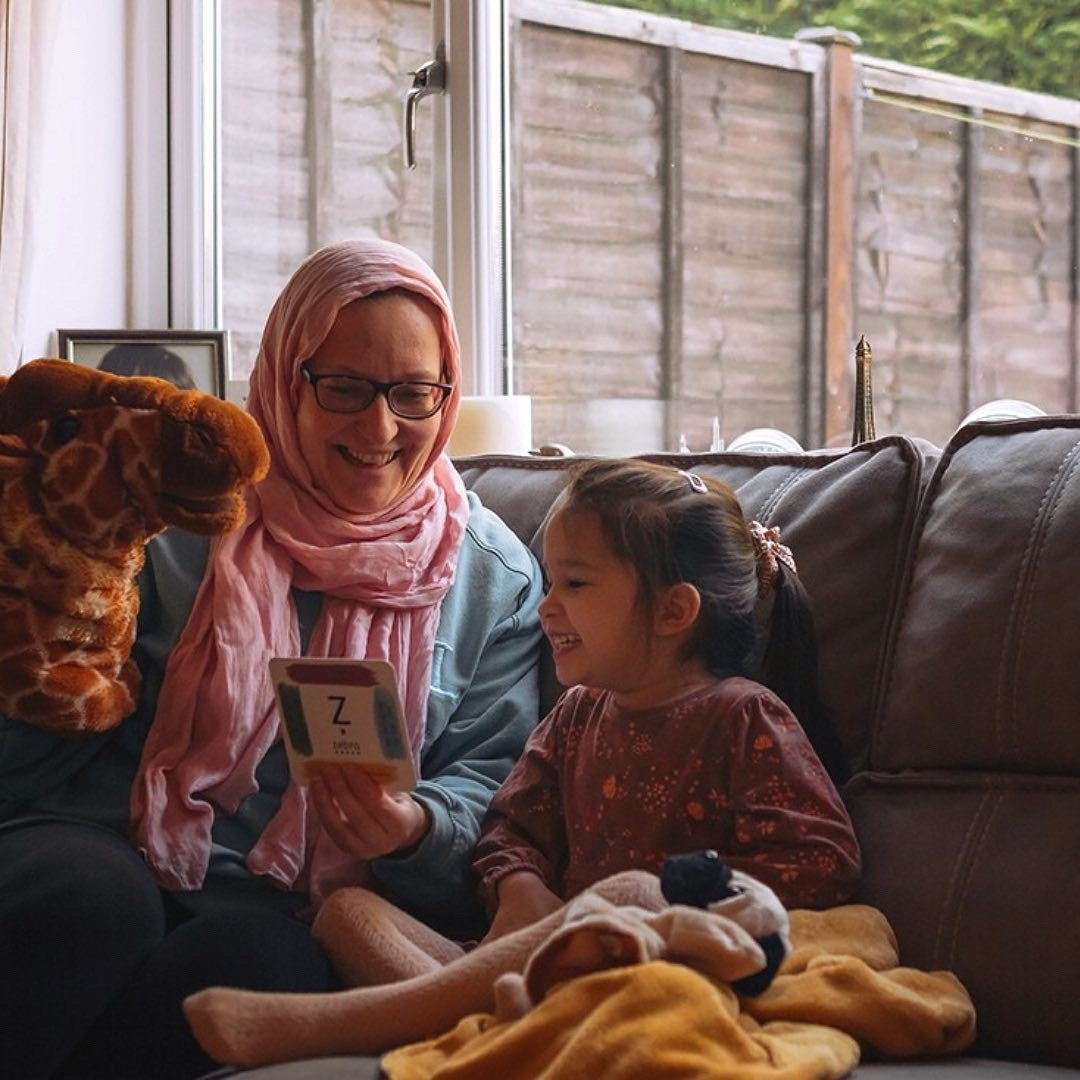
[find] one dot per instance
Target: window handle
(428, 78)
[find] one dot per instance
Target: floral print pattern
(600, 789)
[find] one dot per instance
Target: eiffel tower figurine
(863, 429)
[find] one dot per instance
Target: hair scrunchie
(769, 553)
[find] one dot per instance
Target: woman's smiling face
(365, 461)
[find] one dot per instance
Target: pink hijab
(383, 576)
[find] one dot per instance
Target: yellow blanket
(839, 993)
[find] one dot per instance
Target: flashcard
(339, 711)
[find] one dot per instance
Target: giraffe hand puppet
(92, 466)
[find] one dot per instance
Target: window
(311, 122)
(693, 227)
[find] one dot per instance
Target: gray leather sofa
(946, 584)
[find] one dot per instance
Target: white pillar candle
(492, 425)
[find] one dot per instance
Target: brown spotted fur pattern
(91, 467)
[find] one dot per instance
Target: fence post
(671, 232)
(838, 305)
(1074, 281)
(970, 386)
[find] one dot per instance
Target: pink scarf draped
(383, 576)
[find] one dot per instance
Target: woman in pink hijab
(361, 542)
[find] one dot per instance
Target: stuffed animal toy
(92, 466)
(718, 924)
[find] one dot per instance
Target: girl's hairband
(695, 482)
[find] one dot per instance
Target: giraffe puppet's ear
(15, 456)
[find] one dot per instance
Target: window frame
(193, 225)
(472, 228)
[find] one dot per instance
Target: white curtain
(26, 28)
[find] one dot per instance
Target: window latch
(429, 78)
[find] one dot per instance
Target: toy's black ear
(699, 879)
(696, 879)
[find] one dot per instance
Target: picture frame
(187, 357)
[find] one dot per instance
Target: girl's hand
(523, 900)
(363, 818)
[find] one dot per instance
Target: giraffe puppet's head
(92, 465)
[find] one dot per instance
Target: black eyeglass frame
(383, 388)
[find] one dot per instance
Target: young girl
(664, 745)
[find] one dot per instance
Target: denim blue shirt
(483, 703)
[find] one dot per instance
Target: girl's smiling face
(365, 461)
(590, 613)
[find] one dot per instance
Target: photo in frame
(196, 359)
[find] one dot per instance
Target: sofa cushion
(983, 665)
(967, 813)
(978, 875)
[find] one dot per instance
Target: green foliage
(1033, 44)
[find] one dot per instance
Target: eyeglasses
(350, 394)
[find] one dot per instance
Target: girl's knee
(350, 907)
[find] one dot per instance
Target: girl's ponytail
(789, 668)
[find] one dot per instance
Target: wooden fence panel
(265, 174)
(909, 285)
(587, 258)
(1027, 267)
(951, 249)
(744, 246)
(375, 47)
(675, 216)
(313, 149)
